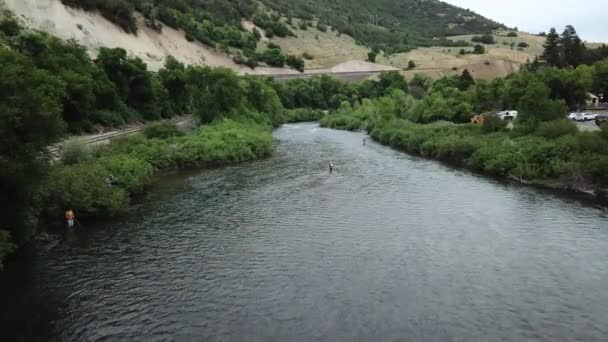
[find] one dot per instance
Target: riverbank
(101, 183)
(304, 254)
(555, 155)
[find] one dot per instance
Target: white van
(508, 115)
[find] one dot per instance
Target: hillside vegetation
(389, 24)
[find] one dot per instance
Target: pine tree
(465, 80)
(573, 47)
(553, 54)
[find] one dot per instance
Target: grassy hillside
(390, 25)
(395, 25)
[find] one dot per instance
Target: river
(388, 247)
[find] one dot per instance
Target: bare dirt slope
(93, 31)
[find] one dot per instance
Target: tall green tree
(573, 47)
(535, 104)
(465, 80)
(30, 120)
(553, 53)
(214, 92)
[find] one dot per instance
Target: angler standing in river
(331, 167)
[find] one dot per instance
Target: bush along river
(387, 247)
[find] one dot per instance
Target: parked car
(582, 116)
(508, 115)
(601, 120)
(589, 116)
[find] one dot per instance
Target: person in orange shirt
(69, 216)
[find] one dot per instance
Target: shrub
(512, 34)
(108, 118)
(303, 115)
(479, 49)
(10, 27)
(485, 39)
(75, 151)
(6, 246)
(371, 56)
(321, 27)
(307, 56)
(295, 62)
(493, 123)
(128, 172)
(557, 128)
(411, 65)
(604, 131)
(83, 187)
(162, 130)
(523, 45)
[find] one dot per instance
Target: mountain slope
(389, 24)
(152, 39)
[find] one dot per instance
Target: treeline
(542, 94)
(568, 50)
(543, 147)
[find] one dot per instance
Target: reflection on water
(388, 247)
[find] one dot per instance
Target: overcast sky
(589, 17)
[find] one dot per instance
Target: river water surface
(389, 247)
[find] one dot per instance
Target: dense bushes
(162, 130)
(104, 185)
(562, 160)
(118, 11)
(302, 115)
(485, 39)
(543, 148)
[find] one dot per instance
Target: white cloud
(587, 16)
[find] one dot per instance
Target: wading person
(69, 217)
(331, 167)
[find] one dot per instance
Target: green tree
(600, 78)
(411, 65)
(574, 50)
(465, 80)
(535, 104)
(174, 78)
(214, 92)
(389, 80)
(295, 62)
(29, 122)
(371, 56)
(553, 52)
(132, 80)
(479, 49)
(274, 57)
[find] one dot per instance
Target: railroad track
(56, 149)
